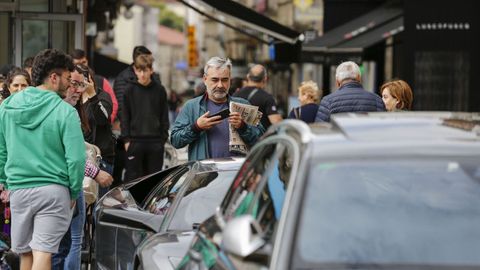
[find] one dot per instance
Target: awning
(372, 37)
(107, 66)
(248, 18)
(359, 33)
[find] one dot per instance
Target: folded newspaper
(250, 115)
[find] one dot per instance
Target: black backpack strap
(98, 81)
(252, 94)
(296, 112)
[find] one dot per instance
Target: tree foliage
(167, 17)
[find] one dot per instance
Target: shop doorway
(37, 31)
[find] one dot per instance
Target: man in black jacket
(124, 78)
(350, 95)
(144, 121)
(122, 81)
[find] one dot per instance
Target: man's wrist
(196, 128)
(243, 127)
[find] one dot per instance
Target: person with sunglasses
(98, 107)
(69, 255)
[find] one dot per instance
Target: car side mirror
(242, 236)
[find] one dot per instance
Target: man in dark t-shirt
(254, 92)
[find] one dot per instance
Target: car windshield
(391, 212)
(161, 199)
(202, 197)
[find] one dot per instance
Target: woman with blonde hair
(397, 96)
(309, 96)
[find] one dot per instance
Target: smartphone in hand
(223, 113)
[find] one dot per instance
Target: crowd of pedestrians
(56, 103)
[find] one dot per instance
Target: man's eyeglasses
(77, 84)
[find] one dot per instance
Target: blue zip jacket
(350, 97)
(184, 132)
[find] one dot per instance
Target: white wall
(141, 29)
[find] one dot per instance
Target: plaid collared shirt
(91, 170)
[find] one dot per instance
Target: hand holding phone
(206, 121)
(223, 114)
(90, 88)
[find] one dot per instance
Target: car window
(163, 196)
(236, 202)
(200, 200)
(266, 205)
(417, 213)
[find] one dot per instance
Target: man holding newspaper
(215, 124)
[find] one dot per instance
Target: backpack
(90, 186)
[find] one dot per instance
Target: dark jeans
(143, 158)
(119, 163)
(69, 251)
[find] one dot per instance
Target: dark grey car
(368, 191)
(167, 200)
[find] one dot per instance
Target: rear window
(391, 212)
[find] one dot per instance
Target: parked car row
(175, 200)
(367, 191)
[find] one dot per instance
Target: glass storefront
(33, 5)
(38, 25)
(4, 38)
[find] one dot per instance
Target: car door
(126, 199)
(258, 191)
(157, 202)
(198, 200)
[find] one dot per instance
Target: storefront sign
(428, 26)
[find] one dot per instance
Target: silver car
(367, 191)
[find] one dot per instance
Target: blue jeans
(73, 259)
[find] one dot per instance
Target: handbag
(90, 186)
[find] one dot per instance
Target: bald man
(255, 93)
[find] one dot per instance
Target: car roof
(387, 134)
(403, 126)
(410, 126)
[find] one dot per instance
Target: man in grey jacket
(350, 95)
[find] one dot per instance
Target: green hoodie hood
(41, 142)
(31, 106)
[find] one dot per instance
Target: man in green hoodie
(42, 159)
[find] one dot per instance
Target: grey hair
(218, 63)
(347, 71)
